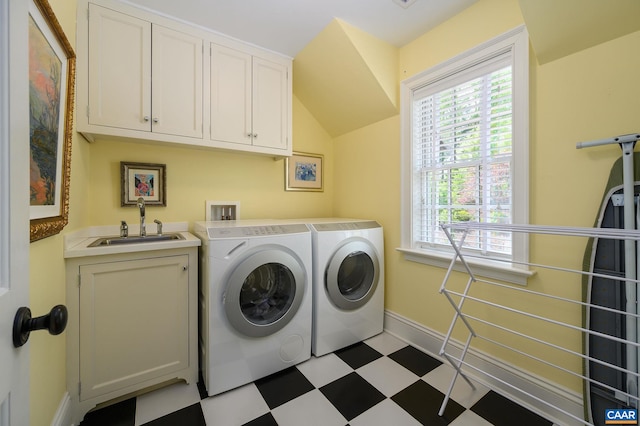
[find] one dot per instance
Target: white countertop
(76, 244)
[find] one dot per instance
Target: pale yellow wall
(47, 277)
(589, 95)
(194, 176)
(459, 34)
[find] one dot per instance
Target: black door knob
(55, 321)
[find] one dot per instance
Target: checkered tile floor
(382, 381)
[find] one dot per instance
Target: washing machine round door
(352, 274)
(264, 292)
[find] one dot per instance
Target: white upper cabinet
(145, 77)
(270, 105)
(249, 99)
(230, 95)
(176, 100)
(119, 70)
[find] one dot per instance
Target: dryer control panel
(346, 226)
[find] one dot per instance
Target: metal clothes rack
(477, 297)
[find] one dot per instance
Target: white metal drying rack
(461, 230)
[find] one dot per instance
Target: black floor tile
(120, 414)
(415, 360)
(188, 416)
(264, 420)
(352, 395)
(202, 390)
(358, 355)
(283, 386)
(501, 411)
(423, 402)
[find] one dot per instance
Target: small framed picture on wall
(143, 180)
(304, 172)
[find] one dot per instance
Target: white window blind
(462, 136)
(465, 155)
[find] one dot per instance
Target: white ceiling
(287, 26)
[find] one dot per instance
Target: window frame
(515, 43)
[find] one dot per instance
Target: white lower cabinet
(132, 325)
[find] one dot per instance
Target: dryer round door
(264, 292)
(352, 274)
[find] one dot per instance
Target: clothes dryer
(255, 300)
(348, 282)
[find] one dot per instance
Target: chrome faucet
(143, 228)
(124, 229)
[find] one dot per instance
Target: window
(465, 153)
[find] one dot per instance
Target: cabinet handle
(146, 118)
(184, 268)
(155, 119)
(249, 135)
(255, 135)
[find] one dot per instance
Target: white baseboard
(63, 414)
(544, 398)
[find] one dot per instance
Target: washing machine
(255, 300)
(348, 282)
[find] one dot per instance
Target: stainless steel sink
(111, 241)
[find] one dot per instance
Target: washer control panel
(256, 231)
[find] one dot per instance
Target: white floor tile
(469, 418)
(385, 343)
(324, 370)
(384, 414)
(312, 408)
(387, 376)
(164, 401)
(463, 394)
(235, 407)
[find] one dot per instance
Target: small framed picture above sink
(144, 180)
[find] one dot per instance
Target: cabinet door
(177, 83)
(270, 104)
(119, 70)
(134, 322)
(230, 95)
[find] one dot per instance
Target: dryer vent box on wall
(222, 210)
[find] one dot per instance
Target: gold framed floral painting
(51, 95)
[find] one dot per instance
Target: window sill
(488, 268)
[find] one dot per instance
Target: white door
(14, 205)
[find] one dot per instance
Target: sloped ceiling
(287, 26)
(558, 28)
(347, 78)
